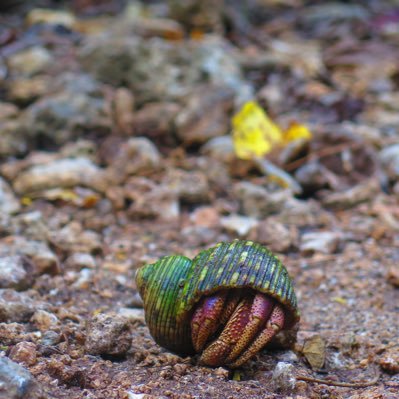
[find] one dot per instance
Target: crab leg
(212, 313)
(206, 319)
(273, 326)
(261, 309)
(218, 350)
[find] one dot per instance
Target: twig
(339, 383)
(324, 152)
(332, 150)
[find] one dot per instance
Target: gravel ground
(115, 150)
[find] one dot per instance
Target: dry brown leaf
(314, 349)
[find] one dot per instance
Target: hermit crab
(226, 304)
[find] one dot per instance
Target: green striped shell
(171, 287)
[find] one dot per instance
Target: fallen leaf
(254, 133)
(314, 350)
(296, 131)
(340, 300)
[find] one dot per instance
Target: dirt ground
(116, 149)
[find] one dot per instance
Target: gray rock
(136, 155)
(108, 335)
(150, 200)
(159, 70)
(389, 158)
(189, 186)
(31, 224)
(321, 241)
(16, 272)
(80, 260)
(29, 61)
(13, 140)
(283, 377)
(220, 148)
(8, 202)
(76, 106)
(363, 192)
(38, 252)
(275, 235)
(238, 224)
(16, 306)
(302, 213)
(50, 338)
(18, 383)
(206, 115)
(65, 173)
(327, 12)
(258, 202)
(73, 238)
(313, 176)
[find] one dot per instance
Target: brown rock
(24, 353)
(393, 275)
(275, 235)
(150, 200)
(66, 173)
(156, 121)
(390, 361)
(136, 155)
(44, 320)
(189, 186)
(123, 106)
(206, 216)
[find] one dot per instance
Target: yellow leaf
(237, 376)
(296, 131)
(66, 195)
(26, 201)
(340, 300)
(254, 133)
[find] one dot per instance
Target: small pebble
(8, 201)
(44, 320)
(324, 241)
(283, 377)
(15, 306)
(241, 225)
(50, 338)
(108, 335)
(393, 275)
(390, 361)
(79, 260)
(16, 272)
(24, 353)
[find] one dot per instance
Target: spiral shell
(171, 287)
